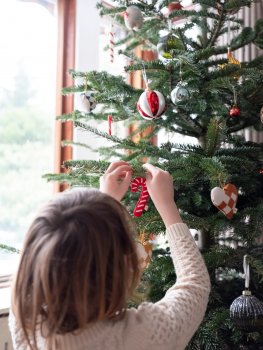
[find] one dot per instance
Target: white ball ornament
(179, 93)
(151, 104)
(88, 101)
(133, 18)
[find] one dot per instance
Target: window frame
(66, 13)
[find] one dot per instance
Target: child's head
(78, 263)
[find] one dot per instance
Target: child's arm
(160, 187)
(171, 322)
(116, 180)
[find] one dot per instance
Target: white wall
(87, 59)
(92, 36)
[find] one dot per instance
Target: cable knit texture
(168, 324)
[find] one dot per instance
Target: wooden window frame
(66, 13)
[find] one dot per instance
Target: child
(79, 265)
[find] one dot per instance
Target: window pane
(27, 110)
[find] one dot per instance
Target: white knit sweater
(168, 324)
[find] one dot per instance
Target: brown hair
(78, 265)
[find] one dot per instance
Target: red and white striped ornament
(140, 206)
(151, 104)
(111, 44)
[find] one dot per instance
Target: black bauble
(246, 312)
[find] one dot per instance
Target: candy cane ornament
(140, 205)
(109, 123)
(111, 44)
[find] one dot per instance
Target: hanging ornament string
(111, 44)
(235, 95)
(85, 84)
(169, 22)
(228, 34)
(230, 56)
(246, 272)
(180, 71)
(145, 79)
(234, 110)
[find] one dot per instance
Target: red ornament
(136, 183)
(109, 123)
(151, 104)
(234, 111)
(173, 6)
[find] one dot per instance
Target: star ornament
(231, 60)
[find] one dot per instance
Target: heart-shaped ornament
(225, 199)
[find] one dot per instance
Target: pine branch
(8, 249)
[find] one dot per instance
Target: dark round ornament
(166, 44)
(246, 312)
(234, 111)
(179, 93)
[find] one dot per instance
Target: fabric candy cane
(140, 206)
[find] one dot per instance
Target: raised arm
(175, 318)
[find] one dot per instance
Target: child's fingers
(120, 170)
(127, 177)
(152, 170)
(115, 165)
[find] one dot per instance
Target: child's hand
(116, 180)
(160, 187)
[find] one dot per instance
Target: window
(28, 59)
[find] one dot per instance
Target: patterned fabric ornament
(141, 204)
(88, 101)
(133, 18)
(144, 250)
(151, 104)
(246, 311)
(225, 199)
(179, 93)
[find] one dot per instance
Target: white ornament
(88, 101)
(133, 18)
(151, 104)
(179, 93)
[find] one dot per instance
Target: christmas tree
(194, 86)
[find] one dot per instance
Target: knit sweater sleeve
(16, 333)
(172, 321)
